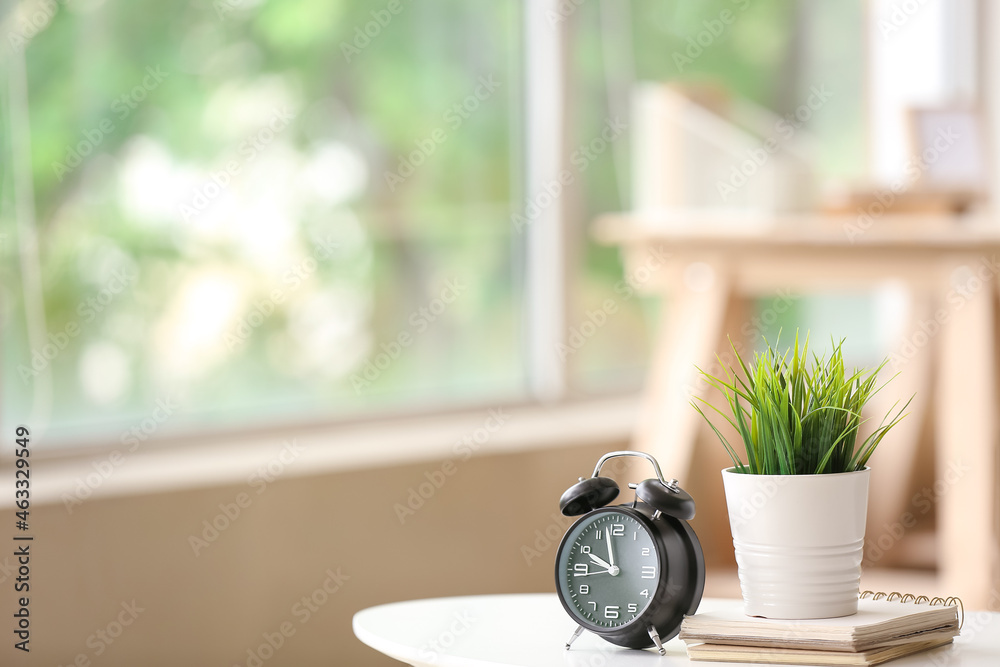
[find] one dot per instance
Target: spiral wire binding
(896, 596)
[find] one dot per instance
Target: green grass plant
(796, 417)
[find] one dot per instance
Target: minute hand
(611, 553)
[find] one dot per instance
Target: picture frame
(948, 152)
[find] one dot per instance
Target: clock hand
(611, 554)
(590, 573)
(600, 561)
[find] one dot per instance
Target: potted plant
(797, 505)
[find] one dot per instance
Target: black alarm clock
(629, 573)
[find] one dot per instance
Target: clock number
(600, 535)
(581, 570)
(617, 529)
(595, 605)
(645, 551)
(584, 589)
(644, 593)
(635, 535)
(632, 609)
(585, 549)
(648, 572)
(611, 611)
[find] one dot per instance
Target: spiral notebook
(885, 627)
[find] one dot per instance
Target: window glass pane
(770, 54)
(264, 210)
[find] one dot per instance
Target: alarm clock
(629, 573)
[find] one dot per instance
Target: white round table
(531, 631)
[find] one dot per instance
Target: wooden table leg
(690, 329)
(894, 465)
(966, 459)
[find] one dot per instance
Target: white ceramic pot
(799, 541)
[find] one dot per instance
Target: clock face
(608, 569)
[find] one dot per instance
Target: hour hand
(600, 561)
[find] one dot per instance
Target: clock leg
(576, 633)
(656, 640)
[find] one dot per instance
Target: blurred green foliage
(372, 86)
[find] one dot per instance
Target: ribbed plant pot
(799, 541)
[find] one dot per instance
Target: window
(259, 210)
(268, 211)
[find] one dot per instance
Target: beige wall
(211, 608)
